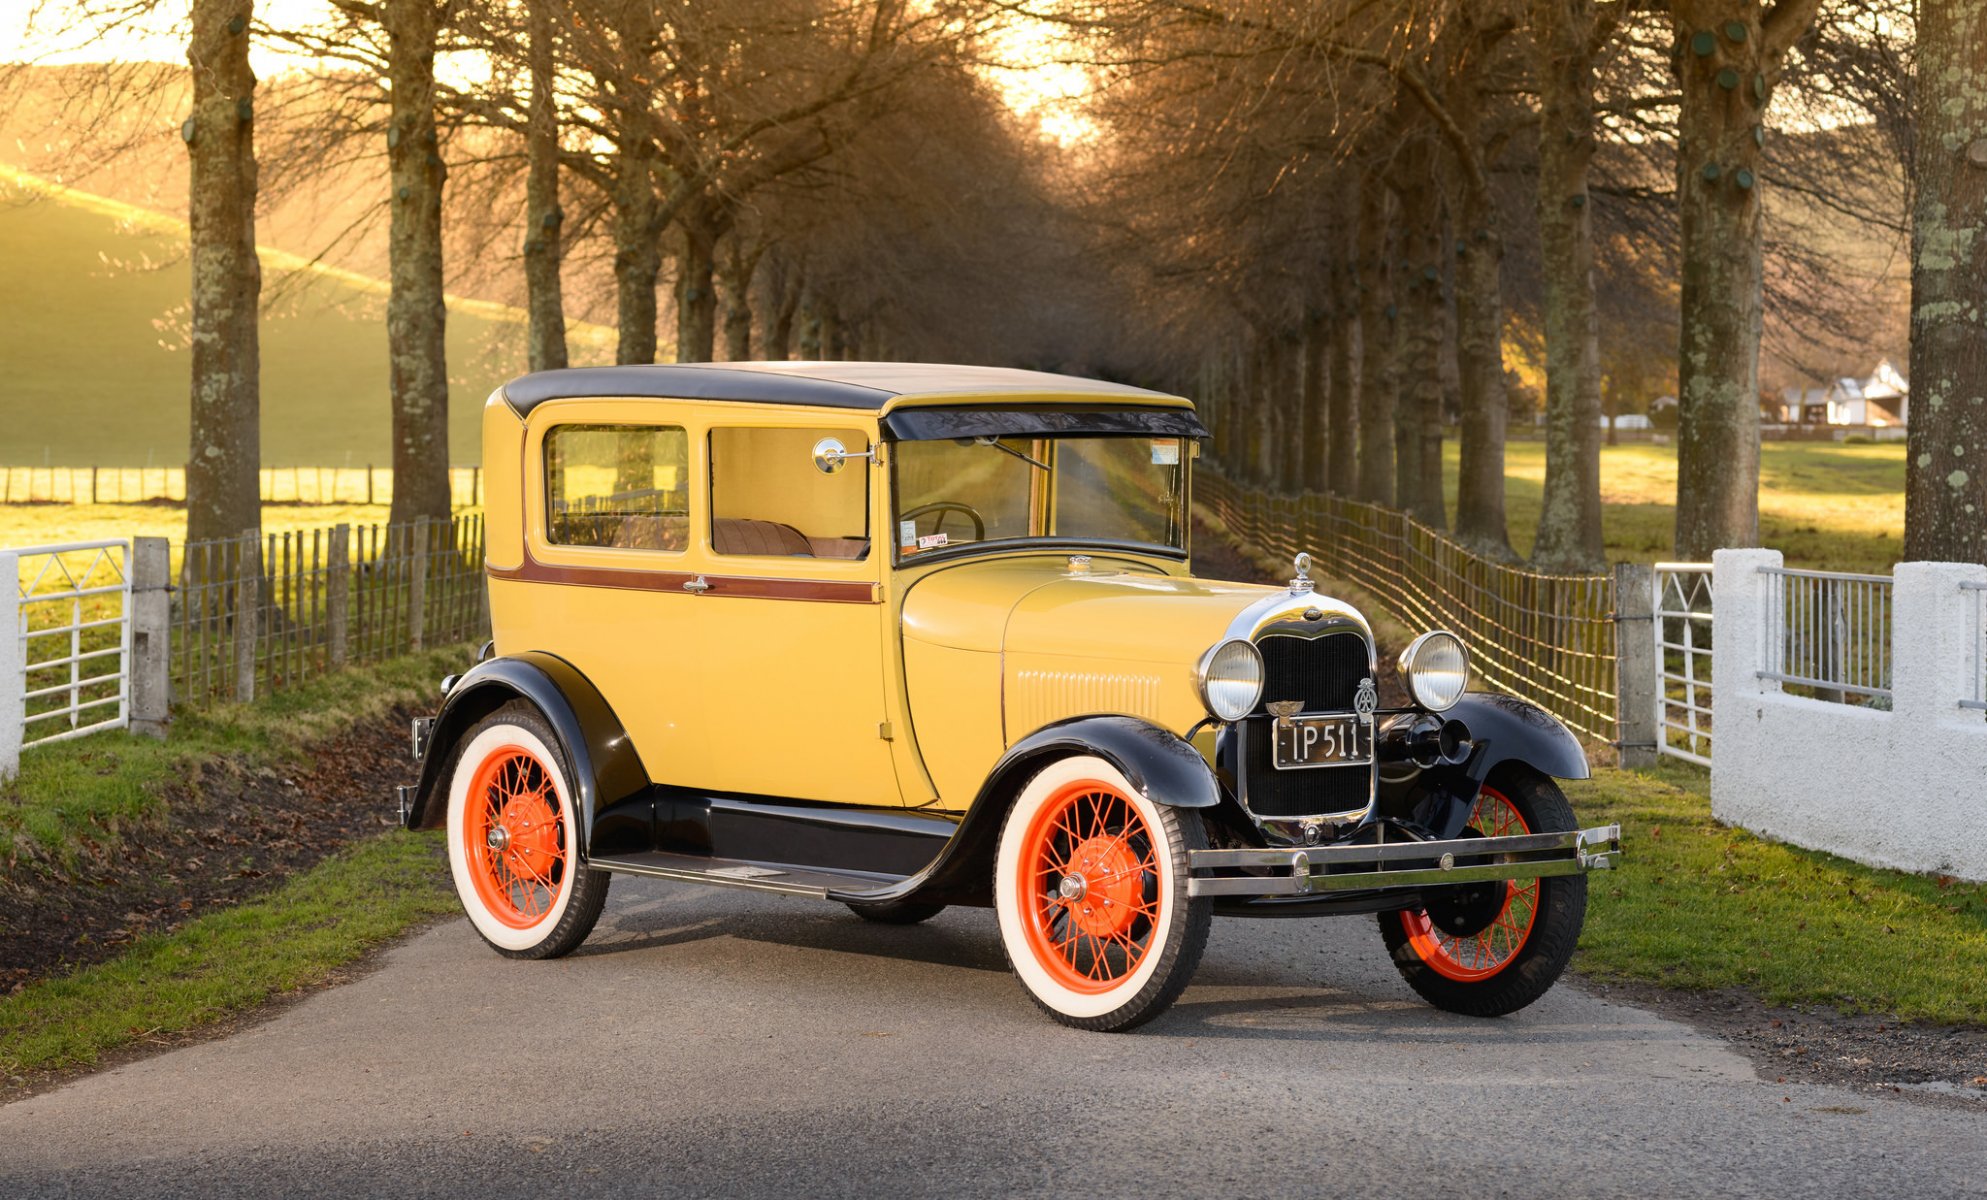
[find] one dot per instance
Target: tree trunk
(545, 300)
(1726, 57)
(1342, 472)
(637, 238)
(223, 466)
(779, 330)
(739, 268)
(810, 325)
(1945, 494)
(1569, 532)
(1315, 424)
(834, 338)
(1287, 412)
(1483, 406)
(696, 298)
(416, 316)
(1376, 345)
(1418, 438)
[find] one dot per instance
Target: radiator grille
(1324, 673)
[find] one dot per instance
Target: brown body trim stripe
(756, 587)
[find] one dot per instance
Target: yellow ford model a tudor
(901, 636)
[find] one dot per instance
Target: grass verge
(95, 790)
(1700, 905)
(230, 960)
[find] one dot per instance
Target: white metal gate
(1683, 661)
(65, 649)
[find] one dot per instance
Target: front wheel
(1090, 887)
(512, 842)
(1491, 949)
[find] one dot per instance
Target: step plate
(783, 878)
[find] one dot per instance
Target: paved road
(724, 1043)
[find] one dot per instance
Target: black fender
(1503, 730)
(606, 769)
(1162, 766)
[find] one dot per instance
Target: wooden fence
(1548, 638)
(252, 615)
(279, 485)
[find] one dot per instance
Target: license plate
(1323, 740)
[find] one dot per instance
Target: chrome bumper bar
(1306, 869)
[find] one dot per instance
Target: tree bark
(1418, 436)
(1945, 491)
(810, 325)
(1342, 464)
(637, 236)
(834, 337)
(740, 265)
(696, 298)
(779, 330)
(1376, 343)
(545, 301)
(1288, 411)
(1315, 437)
(1726, 56)
(416, 315)
(1569, 530)
(224, 460)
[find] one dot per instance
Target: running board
(783, 878)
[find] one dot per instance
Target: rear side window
(623, 486)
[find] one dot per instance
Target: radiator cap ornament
(1302, 584)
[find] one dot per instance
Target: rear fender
(606, 769)
(1158, 763)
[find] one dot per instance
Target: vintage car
(903, 636)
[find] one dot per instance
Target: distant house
(1625, 421)
(1883, 398)
(1887, 396)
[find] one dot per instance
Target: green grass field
(93, 302)
(1827, 505)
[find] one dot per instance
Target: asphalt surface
(711, 1042)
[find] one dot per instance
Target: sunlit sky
(1037, 89)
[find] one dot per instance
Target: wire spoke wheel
(1489, 950)
(515, 837)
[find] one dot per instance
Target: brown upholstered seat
(739, 535)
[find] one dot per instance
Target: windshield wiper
(997, 444)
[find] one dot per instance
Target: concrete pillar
(1932, 652)
(151, 636)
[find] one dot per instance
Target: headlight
(1230, 679)
(1436, 670)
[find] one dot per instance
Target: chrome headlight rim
(1418, 674)
(1204, 683)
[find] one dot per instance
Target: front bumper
(1309, 870)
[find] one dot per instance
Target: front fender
(1162, 766)
(606, 769)
(1507, 729)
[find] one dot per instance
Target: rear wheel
(512, 841)
(1090, 887)
(1490, 950)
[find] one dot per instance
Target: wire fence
(279, 485)
(1548, 638)
(1828, 635)
(254, 615)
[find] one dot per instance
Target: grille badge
(1366, 701)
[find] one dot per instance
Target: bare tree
(223, 466)
(545, 295)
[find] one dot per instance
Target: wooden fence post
(248, 612)
(369, 483)
(1638, 672)
(338, 593)
(417, 584)
(151, 635)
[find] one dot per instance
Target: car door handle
(699, 585)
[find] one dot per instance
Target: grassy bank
(229, 961)
(105, 787)
(1701, 905)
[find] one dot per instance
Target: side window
(769, 500)
(625, 486)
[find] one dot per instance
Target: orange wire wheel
(514, 836)
(1090, 894)
(1089, 886)
(1482, 954)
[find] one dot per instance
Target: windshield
(963, 491)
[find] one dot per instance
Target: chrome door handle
(699, 585)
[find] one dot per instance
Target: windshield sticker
(1166, 453)
(931, 540)
(907, 534)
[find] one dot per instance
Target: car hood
(1121, 610)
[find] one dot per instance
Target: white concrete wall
(1905, 788)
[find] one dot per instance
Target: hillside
(93, 314)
